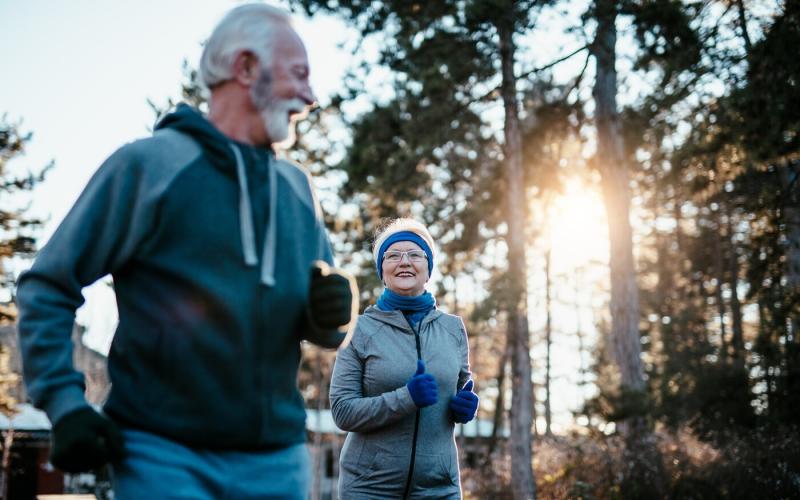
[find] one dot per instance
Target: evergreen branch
(578, 78)
(527, 74)
(553, 63)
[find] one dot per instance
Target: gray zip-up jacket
(369, 399)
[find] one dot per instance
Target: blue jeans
(158, 468)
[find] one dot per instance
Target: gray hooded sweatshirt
(369, 399)
(210, 244)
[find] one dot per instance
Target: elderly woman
(403, 381)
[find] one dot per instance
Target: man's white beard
(276, 120)
(275, 111)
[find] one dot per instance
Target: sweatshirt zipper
(416, 419)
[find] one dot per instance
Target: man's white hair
(399, 225)
(247, 27)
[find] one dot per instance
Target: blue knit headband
(404, 236)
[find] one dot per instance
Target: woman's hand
(464, 404)
(422, 387)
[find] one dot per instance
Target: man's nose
(307, 95)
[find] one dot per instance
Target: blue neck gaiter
(413, 308)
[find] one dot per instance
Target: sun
(576, 228)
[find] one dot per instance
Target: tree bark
(645, 476)
(720, 277)
(8, 442)
(737, 326)
(582, 382)
(790, 184)
(790, 187)
(616, 192)
(523, 484)
(548, 343)
(766, 358)
(748, 45)
(500, 403)
(665, 288)
(317, 443)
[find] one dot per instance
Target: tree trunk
(582, 382)
(737, 339)
(719, 275)
(645, 475)
(8, 442)
(748, 45)
(766, 357)
(548, 342)
(523, 484)
(624, 292)
(665, 288)
(500, 403)
(319, 463)
(790, 184)
(336, 450)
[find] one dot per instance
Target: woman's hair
(398, 225)
(247, 27)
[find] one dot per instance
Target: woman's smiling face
(405, 277)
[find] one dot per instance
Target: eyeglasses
(395, 256)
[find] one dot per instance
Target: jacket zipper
(416, 419)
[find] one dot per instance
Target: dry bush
(764, 463)
(759, 464)
(489, 478)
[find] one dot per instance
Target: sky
(78, 74)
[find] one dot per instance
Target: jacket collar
(397, 320)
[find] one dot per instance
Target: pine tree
(17, 229)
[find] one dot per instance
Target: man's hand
(464, 404)
(84, 440)
(422, 387)
(330, 297)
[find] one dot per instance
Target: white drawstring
(245, 212)
(270, 243)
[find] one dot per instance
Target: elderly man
(221, 267)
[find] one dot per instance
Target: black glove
(84, 440)
(330, 297)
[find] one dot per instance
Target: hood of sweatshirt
(216, 145)
(226, 154)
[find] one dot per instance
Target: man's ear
(245, 68)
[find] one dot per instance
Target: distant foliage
(17, 229)
(8, 383)
(763, 464)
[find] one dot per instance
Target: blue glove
(422, 387)
(464, 404)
